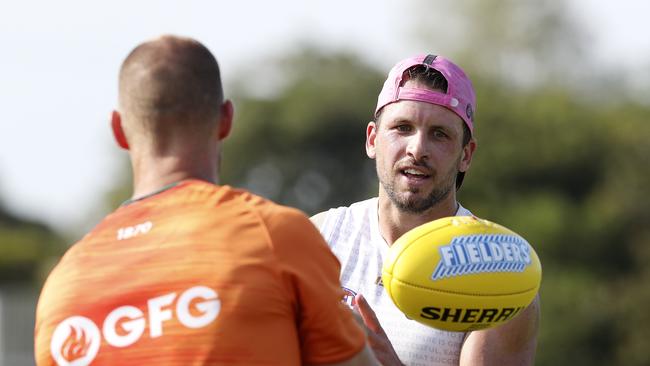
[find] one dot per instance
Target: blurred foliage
(27, 250)
(565, 171)
(305, 145)
(519, 41)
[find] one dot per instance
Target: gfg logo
(76, 340)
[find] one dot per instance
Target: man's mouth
(413, 173)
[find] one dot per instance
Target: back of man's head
(169, 88)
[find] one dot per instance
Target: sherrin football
(461, 273)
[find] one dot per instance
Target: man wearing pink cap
(422, 141)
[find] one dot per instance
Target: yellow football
(461, 273)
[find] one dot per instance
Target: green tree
(305, 145)
(28, 249)
(522, 42)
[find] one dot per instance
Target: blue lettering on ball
(482, 253)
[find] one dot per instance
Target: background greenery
(560, 159)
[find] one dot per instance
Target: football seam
(464, 293)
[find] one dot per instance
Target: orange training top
(197, 274)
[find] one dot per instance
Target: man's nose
(417, 147)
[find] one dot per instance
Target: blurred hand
(377, 337)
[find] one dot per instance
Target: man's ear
(468, 153)
(118, 131)
(225, 119)
(371, 135)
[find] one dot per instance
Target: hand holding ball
(461, 273)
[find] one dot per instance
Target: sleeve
(327, 329)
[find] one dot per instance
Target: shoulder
(273, 214)
(287, 228)
(344, 213)
(319, 218)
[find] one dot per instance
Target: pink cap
(460, 96)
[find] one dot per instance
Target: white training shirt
(353, 235)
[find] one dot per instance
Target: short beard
(415, 205)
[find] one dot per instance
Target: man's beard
(415, 205)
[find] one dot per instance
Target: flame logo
(75, 342)
(75, 346)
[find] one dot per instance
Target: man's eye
(439, 134)
(403, 128)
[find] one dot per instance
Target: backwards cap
(460, 96)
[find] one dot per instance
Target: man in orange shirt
(189, 272)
